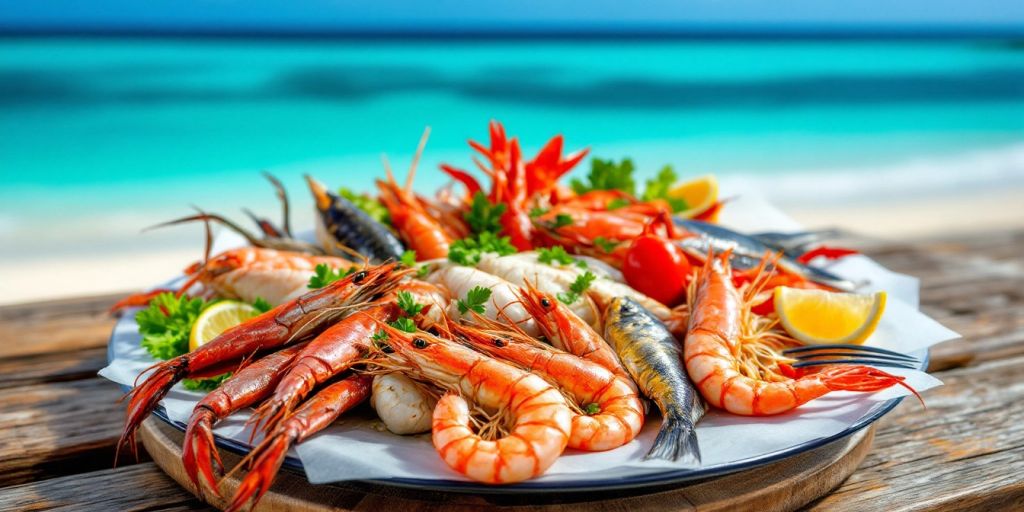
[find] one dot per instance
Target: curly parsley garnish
(404, 324)
(325, 275)
(205, 384)
(606, 245)
(607, 175)
(408, 304)
(577, 288)
(659, 186)
(562, 220)
(262, 305)
(557, 256)
(484, 216)
(469, 250)
(165, 326)
(475, 300)
(166, 323)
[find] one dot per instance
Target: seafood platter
(521, 330)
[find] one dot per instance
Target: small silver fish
(747, 252)
(651, 355)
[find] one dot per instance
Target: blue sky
(336, 14)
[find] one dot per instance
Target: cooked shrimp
(522, 268)
(569, 332)
(713, 353)
(248, 273)
(610, 415)
(420, 230)
(537, 414)
(402, 404)
(503, 304)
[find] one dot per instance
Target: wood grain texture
(59, 423)
(56, 326)
(58, 429)
(782, 486)
(136, 488)
(965, 451)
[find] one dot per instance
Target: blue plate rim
(653, 479)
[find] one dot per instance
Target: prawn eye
(545, 303)
(387, 349)
(498, 342)
(359, 277)
(433, 330)
(419, 343)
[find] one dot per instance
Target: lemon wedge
(818, 316)
(699, 193)
(217, 319)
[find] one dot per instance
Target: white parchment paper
(355, 448)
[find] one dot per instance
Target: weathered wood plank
(43, 327)
(63, 365)
(133, 488)
(58, 428)
(964, 452)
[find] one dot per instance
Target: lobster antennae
(268, 228)
(282, 196)
(249, 237)
(416, 159)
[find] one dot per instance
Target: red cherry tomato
(658, 268)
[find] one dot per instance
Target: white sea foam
(914, 178)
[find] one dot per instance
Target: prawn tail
(862, 379)
(676, 441)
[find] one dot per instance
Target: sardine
(747, 252)
(796, 243)
(338, 221)
(652, 356)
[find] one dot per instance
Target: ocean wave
(913, 178)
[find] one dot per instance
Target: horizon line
(801, 31)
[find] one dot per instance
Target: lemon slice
(699, 193)
(818, 316)
(217, 319)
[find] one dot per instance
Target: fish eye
(545, 303)
(419, 343)
(498, 342)
(387, 349)
(359, 277)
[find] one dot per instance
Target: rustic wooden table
(59, 421)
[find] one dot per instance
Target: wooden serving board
(781, 486)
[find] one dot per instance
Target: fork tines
(821, 355)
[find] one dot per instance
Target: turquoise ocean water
(101, 137)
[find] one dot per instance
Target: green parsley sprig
(408, 304)
(325, 275)
(557, 256)
(166, 323)
(562, 220)
(475, 299)
(606, 245)
(404, 324)
(484, 216)
(659, 186)
(607, 175)
(469, 250)
(577, 288)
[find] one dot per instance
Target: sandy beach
(49, 277)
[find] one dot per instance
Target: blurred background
(889, 120)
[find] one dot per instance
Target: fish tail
(676, 441)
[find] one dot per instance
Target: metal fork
(821, 355)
